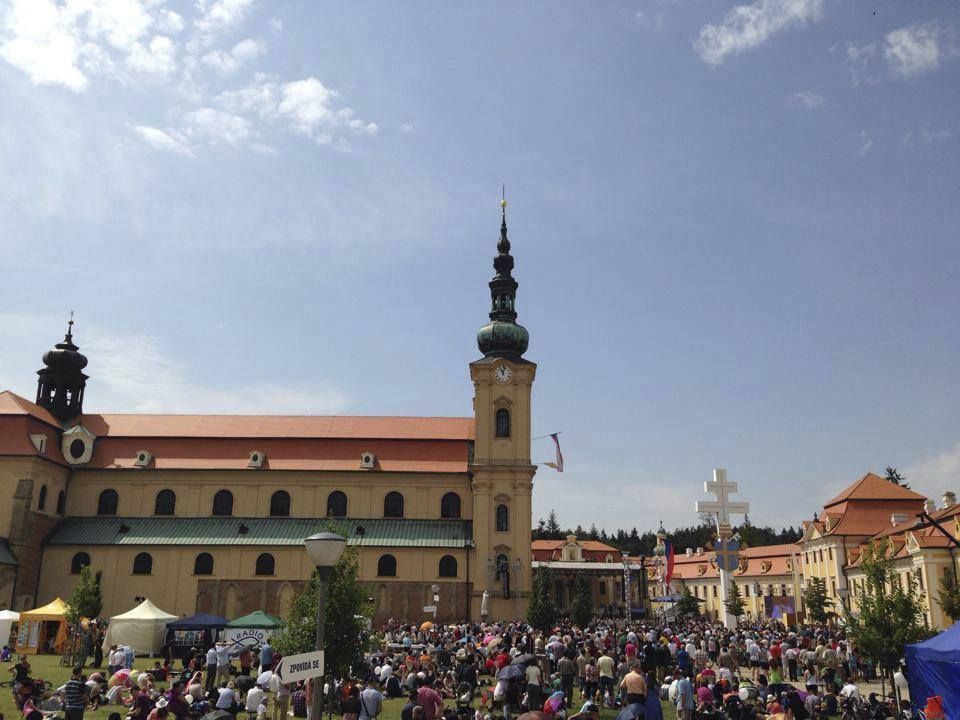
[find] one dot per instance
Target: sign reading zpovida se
(294, 668)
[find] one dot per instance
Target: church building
(208, 513)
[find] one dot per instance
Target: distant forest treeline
(635, 543)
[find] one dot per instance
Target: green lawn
(47, 668)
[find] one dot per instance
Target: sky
(735, 226)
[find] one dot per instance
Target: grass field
(47, 668)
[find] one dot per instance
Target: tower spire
(503, 336)
(61, 382)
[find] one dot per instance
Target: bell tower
(61, 382)
(502, 473)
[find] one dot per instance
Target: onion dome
(503, 336)
(62, 381)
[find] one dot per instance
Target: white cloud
(120, 23)
(747, 27)
(408, 129)
(229, 62)
(218, 17)
(859, 59)
(217, 126)
(306, 105)
(163, 140)
(914, 50)
(866, 143)
(805, 99)
(38, 39)
(133, 373)
(158, 58)
(276, 24)
(170, 22)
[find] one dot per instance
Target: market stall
(199, 631)
(44, 629)
(143, 628)
(933, 668)
(7, 619)
(251, 630)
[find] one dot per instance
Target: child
(262, 710)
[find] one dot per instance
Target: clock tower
(502, 473)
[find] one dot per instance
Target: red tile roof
(874, 487)
(592, 550)
(13, 404)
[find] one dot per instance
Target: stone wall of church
(27, 532)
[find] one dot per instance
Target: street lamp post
(324, 550)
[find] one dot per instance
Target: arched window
(265, 564)
(80, 561)
(503, 423)
(503, 518)
(61, 502)
(450, 506)
(448, 566)
(387, 566)
(393, 505)
(280, 504)
(203, 565)
(107, 503)
(336, 504)
(42, 499)
(143, 564)
(223, 503)
(165, 504)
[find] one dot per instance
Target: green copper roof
(378, 532)
(503, 336)
(6, 554)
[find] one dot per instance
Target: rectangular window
(603, 587)
(833, 586)
(830, 553)
(746, 591)
(714, 590)
(920, 579)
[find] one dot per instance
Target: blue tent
(933, 668)
(198, 622)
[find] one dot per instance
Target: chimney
(897, 518)
(949, 499)
(699, 551)
(929, 505)
(689, 552)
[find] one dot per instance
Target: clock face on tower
(502, 374)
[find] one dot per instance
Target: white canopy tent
(142, 628)
(7, 619)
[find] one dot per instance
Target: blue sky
(735, 226)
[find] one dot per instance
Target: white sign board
(240, 638)
(294, 668)
(430, 608)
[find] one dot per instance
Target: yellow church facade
(207, 513)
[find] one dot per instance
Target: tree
(891, 615)
(582, 608)
(687, 604)
(818, 605)
(949, 594)
(346, 614)
(542, 613)
(553, 531)
(593, 533)
(86, 600)
(894, 476)
(734, 603)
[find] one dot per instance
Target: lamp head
(325, 548)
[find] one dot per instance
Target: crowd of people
(487, 671)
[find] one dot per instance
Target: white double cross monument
(721, 509)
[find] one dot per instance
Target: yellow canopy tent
(43, 629)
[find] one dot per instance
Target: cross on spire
(723, 506)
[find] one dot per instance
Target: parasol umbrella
(534, 715)
(632, 712)
(494, 643)
(554, 703)
(523, 659)
(426, 625)
(556, 646)
(264, 678)
(487, 638)
(510, 672)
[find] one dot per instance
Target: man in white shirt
(210, 671)
(223, 662)
(850, 691)
(255, 696)
(117, 659)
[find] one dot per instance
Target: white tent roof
(9, 615)
(145, 611)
